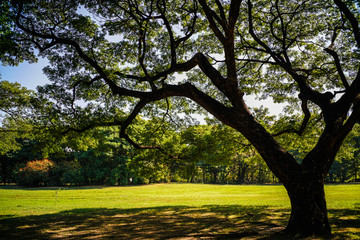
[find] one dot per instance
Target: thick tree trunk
(308, 210)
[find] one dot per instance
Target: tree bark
(308, 209)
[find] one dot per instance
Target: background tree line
(207, 153)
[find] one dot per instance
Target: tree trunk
(241, 172)
(308, 210)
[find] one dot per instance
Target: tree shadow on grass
(170, 222)
(346, 222)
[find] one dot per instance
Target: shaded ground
(207, 222)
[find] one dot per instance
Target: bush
(36, 173)
(71, 173)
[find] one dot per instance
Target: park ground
(164, 211)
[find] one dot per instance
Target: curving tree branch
(352, 19)
(300, 131)
(338, 66)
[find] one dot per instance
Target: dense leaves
(16, 104)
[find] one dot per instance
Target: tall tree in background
(128, 53)
(15, 105)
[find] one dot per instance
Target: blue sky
(28, 75)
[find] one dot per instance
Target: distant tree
(304, 53)
(240, 168)
(28, 150)
(355, 161)
(212, 148)
(346, 164)
(35, 173)
(103, 161)
(15, 104)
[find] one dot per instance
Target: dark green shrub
(71, 173)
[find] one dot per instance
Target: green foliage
(28, 150)
(98, 168)
(346, 167)
(16, 104)
(70, 173)
(78, 165)
(210, 153)
(11, 52)
(206, 153)
(150, 167)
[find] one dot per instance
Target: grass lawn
(164, 211)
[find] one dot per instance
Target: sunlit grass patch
(163, 211)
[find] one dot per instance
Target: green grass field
(164, 211)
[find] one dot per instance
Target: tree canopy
(111, 61)
(15, 103)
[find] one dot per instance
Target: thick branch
(91, 126)
(306, 92)
(304, 123)
(221, 10)
(284, 33)
(338, 66)
(170, 32)
(275, 56)
(352, 19)
(352, 120)
(211, 15)
(234, 12)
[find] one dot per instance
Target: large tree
(128, 54)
